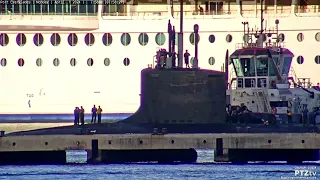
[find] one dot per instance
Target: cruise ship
(56, 55)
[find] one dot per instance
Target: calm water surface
(201, 170)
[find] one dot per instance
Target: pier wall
(228, 147)
(166, 141)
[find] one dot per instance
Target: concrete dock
(241, 147)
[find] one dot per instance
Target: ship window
(73, 62)
(39, 62)
(192, 38)
(55, 39)
(72, 39)
(317, 37)
(286, 65)
(56, 62)
(229, 38)
(126, 61)
(125, 39)
(21, 39)
(160, 39)
(249, 82)
(300, 59)
(272, 68)
(300, 37)
(248, 67)
(38, 39)
(317, 59)
(212, 38)
(281, 37)
(262, 66)
(90, 62)
(107, 39)
(4, 39)
(106, 62)
(3, 62)
(211, 61)
(20, 62)
(89, 39)
(262, 82)
(143, 39)
(237, 67)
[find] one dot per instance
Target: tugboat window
(237, 67)
(286, 65)
(262, 66)
(248, 67)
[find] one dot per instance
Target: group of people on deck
(79, 115)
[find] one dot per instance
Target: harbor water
(205, 168)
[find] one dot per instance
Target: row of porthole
(89, 39)
(300, 59)
(90, 62)
(56, 62)
(125, 39)
(126, 61)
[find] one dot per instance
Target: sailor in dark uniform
(82, 115)
(76, 116)
(186, 59)
(94, 114)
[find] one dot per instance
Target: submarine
(174, 99)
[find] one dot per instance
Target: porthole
(3, 62)
(72, 39)
(73, 62)
(160, 39)
(212, 38)
(211, 61)
(191, 60)
(38, 39)
(90, 62)
(317, 59)
(192, 38)
(20, 62)
(106, 62)
(39, 62)
(281, 37)
(125, 39)
(89, 39)
(143, 39)
(4, 39)
(21, 39)
(317, 37)
(300, 59)
(126, 61)
(107, 39)
(229, 38)
(56, 62)
(300, 37)
(55, 39)
(246, 38)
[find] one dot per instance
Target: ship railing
(266, 44)
(48, 16)
(279, 11)
(307, 11)
(158, 14)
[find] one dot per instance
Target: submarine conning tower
(177, 95)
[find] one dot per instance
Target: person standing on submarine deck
(76, 116)
(94, 114)
(186, 59)
(81, 115)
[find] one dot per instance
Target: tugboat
(260, 81)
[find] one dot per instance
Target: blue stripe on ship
(56, 117)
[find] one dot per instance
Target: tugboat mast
(261, 36)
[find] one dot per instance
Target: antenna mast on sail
(261, 36)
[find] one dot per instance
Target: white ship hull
(50, 89)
